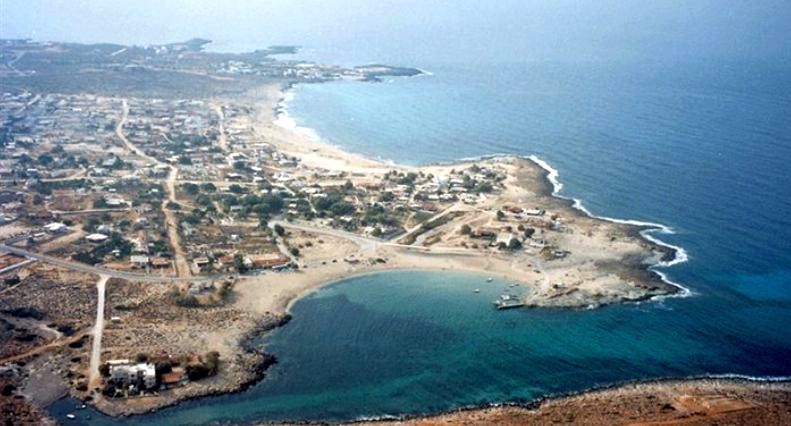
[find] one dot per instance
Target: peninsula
(157, 217)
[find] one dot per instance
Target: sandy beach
(608, 264)
(578, 262)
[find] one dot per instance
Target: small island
(158, 218)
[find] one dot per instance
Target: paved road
(16, 265)
(365, 243)
(98, 328)
(113, 273)
(370, 243)
(89, 211)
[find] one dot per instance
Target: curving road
(98, 270)
(370, 243)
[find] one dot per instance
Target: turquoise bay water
(413, 342)
(701, 146)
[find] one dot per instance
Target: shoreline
(455, 217)
(308, 281)
(645, 229)
(281, 294)
(452, 416)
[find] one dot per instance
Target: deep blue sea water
(702, 146)
(676, 112)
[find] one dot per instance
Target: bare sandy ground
(692, 402)
(608, 261)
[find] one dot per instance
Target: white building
(96, 238)
(139, 261)
(55, 227)
(125, 373)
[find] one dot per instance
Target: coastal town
(150, 234)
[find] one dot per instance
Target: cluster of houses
(506, 237)
(33, 121)
(274, 262)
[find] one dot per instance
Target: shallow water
(412, 342)
(704, 153)
(700, 146)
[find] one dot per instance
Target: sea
(697, 144)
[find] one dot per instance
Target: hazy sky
(484, 30)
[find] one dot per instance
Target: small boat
(71, 416)
(508, 301)
(490, 279)
(477, 290)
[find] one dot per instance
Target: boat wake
(679, 254)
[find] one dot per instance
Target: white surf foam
(680, 255)
(750, 378)
(284, 120)
(424, 73)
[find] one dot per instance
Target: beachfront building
(271, 261)
(177, 377)
(138, 376)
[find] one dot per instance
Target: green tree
(212, 362)
(238, 263)
(190, 188)
(386, 196)
(45, 159)
(341, 208)
(514, 244)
